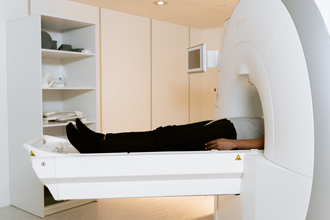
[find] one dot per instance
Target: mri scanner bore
(223, 134)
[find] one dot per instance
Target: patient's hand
(221, 144)
(229, 144)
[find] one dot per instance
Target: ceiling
(199, 14)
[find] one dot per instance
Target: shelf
(58, 124)
(69, 88)
(61, 24)
(60, 54)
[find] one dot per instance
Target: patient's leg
(88, 145)
(100, 136)
(82, 143)
(130, 135)
(170, 138)
(150, 134)
(88, 132)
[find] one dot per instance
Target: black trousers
(190, 137)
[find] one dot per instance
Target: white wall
(4, 160)
(9, 10)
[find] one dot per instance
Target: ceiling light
(160, 3)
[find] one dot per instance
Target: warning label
(238, 158)
(32, 154)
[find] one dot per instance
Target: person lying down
(223, 134)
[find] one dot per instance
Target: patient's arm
(229, 144)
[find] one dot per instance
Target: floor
(169, 208)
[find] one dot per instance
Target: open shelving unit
(28, 99)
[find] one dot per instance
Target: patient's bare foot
(88, 132)
(82, 143)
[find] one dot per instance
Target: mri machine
(275, 62)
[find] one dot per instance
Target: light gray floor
(168, 208)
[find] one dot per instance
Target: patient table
(118, 175)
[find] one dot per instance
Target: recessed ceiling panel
(200, 14)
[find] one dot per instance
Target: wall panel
(4, 156)
(125, 41)
(9, 10)
(195, 82)
(170, 81)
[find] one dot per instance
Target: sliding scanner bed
(70, 175)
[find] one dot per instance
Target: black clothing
(190, 137)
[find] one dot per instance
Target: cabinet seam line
(100, 69)
(151, 74)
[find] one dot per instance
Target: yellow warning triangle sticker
(238, 158)
(32, 154)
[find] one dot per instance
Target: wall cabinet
(28, 62)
